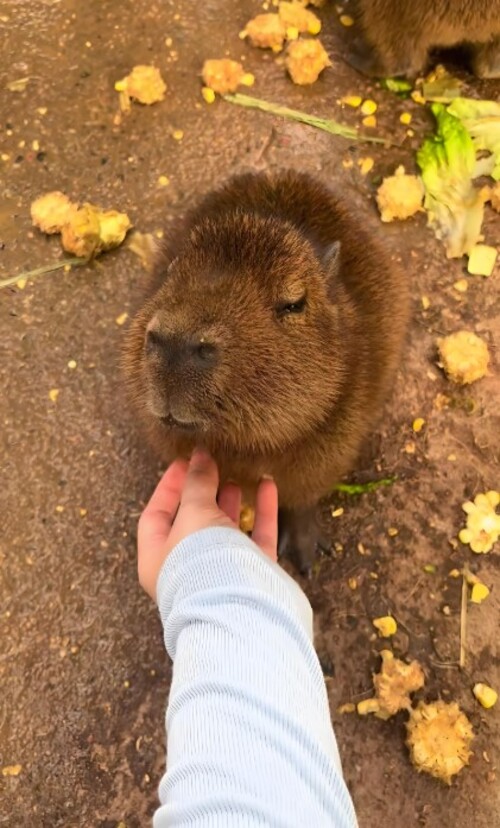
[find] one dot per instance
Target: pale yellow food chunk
(485, 695)
(393, 685)
(305, 60)
(144, 84)
(439, 737)
(386, 626)
(113, 227)
(400, 196)
(482, 260)
(90, 230)
(51, 211)
(295, 15)
(12, 770)
(483, 523)
(80, 235)
(464, 357)
(267, 31)
(222, 75)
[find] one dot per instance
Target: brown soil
(83, 672)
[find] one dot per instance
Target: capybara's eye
(286, 308)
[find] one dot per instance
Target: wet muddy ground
(83, 672)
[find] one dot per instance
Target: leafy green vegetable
(454, 206)
(400, 86)
(481, 119)
(440, 86)
(361, 488)
(326, 124)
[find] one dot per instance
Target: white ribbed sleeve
(249, 736)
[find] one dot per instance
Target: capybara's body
(270, 334)
(399, 34)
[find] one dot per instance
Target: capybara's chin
(269, 334)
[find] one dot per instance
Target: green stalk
(326, 124)
(39, 271)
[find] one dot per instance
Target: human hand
(185, 501)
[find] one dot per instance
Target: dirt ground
(83, 672)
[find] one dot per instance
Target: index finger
(158, 516)
(202, 482)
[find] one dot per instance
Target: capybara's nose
(182, 351)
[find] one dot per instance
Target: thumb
(202, 482)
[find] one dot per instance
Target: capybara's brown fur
(270, 334)
(400, 33)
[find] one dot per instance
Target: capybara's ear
(331, 264)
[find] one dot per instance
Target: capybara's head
(238, 347)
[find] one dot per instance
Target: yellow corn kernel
(368, 107)
(485, 695)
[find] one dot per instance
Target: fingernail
(199, 456)
(267, 477)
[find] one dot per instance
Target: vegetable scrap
(85, 230)
(225, 75)
(305, 60)
(400, 196)
(144, 84)
(482, 529)
(454, 206)
(393, 685)
(482, 260)
(438, 737)
(463, 356)
(145, 246)
(294, 14)
(266, 31)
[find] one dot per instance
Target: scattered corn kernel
(368, 107)
(338, 512)
(405, 118)
(53, 394)
(353, 583)
(417, 97)
(208, 94)
(35, 146)
(59, 508)
(386, 625)
(418, 424)
(454, 573)
(178, 134)
(348, 707)
(12, 770)
(21, 283)
(83, 512)
(347, 163)
(72, 364)
(346, 20)
(369, 121)
(248, 79)
(352, 100)
(485, 695)
(426, 302)
(163, 181)
(392, 531)
(365, 165)
(410, 447)
(429, 569)
(120, 320)
(461, 285)
(479, 593)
